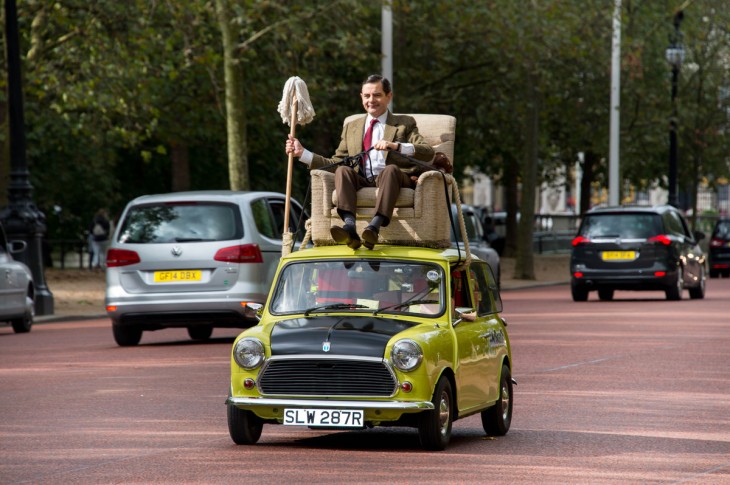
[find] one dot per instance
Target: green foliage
(111, 86)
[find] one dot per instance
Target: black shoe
(370, 237)
(346, 235)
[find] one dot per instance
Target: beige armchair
(421, 216)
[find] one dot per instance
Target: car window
(296, 220)
(385, 286)
(181, 222)
(625, 226)
(265, 223)
(722, 230)
(673, 224)
(470, 224)
(486, 293)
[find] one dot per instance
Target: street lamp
(675, 57)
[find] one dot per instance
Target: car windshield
(180, 222)
(722, 230)
(624, 226)
(361, 286)
(469, 224)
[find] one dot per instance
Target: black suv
(720, 249)
(636, 248)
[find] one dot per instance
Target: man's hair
(377, 78)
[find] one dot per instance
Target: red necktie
(368, 141)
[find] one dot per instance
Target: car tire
(698, 292)
(605, 294)
(579, 292)
(496, 420)
(200, 332)
(674, 292)
(24, 323)
(126, 336)
(434, 427)
(714, 273)
(244, 426)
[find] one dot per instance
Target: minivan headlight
(249, 353)
(406, 355)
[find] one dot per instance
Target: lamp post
(675, 57)
(21, 218)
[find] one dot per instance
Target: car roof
(655, 209)
(448, 255)
(205, 195)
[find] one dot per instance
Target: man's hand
(293, 146)
(442, 162)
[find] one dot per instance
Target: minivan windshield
(624, 226)
(185, 222)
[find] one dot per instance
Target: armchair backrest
(438, 130)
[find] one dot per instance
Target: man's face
(374, 99)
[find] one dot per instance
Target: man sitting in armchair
(385, 133)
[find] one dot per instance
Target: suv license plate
(618, 255)
(179, 275)
(339, 418)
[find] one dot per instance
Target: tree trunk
(235, 109)
(511, 206)
(180, 167)
(524, 263)
(589, 162)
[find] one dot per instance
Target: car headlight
(406, 355)
(249, 353)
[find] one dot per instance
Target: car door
(12, 283)
(689, 249)
(477, 371)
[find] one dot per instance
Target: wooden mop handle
(292, 131)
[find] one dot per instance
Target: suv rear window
(184, 222)
(624, 226)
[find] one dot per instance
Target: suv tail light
(660, 239)
(245, 253)
(716, 242)
(580, 240)
(121, 257)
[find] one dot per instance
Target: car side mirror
(698, 235)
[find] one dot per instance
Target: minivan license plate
(618, 255)
(339, 418)
(178, 275)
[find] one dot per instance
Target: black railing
(59, 251)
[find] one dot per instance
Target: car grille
(327, 377)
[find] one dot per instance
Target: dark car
(720, 249)
(636, 248)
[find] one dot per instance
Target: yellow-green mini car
(396, 336)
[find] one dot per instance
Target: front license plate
(340, 418)
(179, 275)
(618, 255)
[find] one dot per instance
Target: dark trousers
(389, 181)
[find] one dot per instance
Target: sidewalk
(79, 293)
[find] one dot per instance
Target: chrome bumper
(327, 404)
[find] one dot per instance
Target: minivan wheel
(200, 332)
(579, 292)
(674, 292)
(698, 292)
(126, 336)
(605, 294)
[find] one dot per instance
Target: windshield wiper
(334, 306)
(404, 304)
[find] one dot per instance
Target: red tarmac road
(631, 391)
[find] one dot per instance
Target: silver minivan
(194, 260)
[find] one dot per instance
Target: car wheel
(126, 336)
(698, 292)
(580, 293)
(23, 324)
(674, 292)
(605, 295)
(714, 273)
(200, 332)
(434, 427)
(244, 426)
(497, 419)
